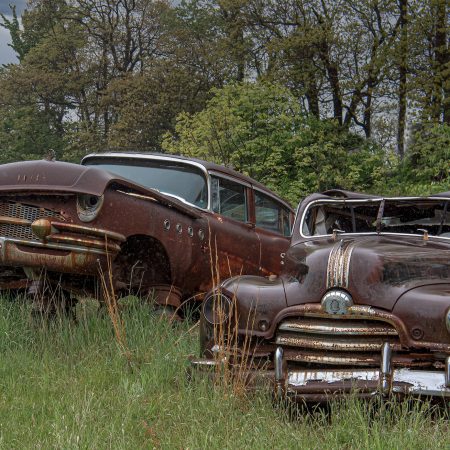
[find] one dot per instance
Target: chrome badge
(336, 302)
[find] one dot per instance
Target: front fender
(423, 310)
(258, 301)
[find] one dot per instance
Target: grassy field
(71, 386)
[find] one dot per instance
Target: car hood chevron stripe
(339, 264)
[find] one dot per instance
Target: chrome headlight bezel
(88, 206)
(216, 308)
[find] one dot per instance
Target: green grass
(70, 386)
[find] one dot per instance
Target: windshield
(177, 179)
(406, 216)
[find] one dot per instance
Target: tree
(262, 130)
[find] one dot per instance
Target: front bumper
(68, 248)
(326, 384)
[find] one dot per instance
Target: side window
(229, 199)
(271, 215)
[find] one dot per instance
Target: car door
(235, 247)
(273, 222)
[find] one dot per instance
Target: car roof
(341, 193)
(209, 166)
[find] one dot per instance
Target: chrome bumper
(385, 380)
(70, 259)
(322, 385)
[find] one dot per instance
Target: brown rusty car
(363, 302)
(166, 224)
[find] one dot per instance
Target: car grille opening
(313, 342)
(22, 211)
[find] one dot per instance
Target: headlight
(88, 206)
(216, 308)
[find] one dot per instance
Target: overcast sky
(7, 54)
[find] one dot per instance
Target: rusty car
(159, 223)
(362, 303)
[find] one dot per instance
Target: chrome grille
(334, 341)
(24, 212)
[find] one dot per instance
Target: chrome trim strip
(278, 360)
(279, 373)
(447, 371)
(52, 246)
(89, 231)
(334, 327)
(218, 174)
(385, 371)
(338, 267)
(14, 221)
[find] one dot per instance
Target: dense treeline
(301, 94)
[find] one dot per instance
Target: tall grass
(68, 385)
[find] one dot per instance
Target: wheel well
(142, 262)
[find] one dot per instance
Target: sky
(7, 54)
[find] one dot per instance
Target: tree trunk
(402, 70)
(439, 106)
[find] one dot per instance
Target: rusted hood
(53, 176)
(62, 177)
(376, 270)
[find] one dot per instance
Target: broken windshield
(404, 216)
(182, 181)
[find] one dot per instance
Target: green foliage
(426, 168)
(261, 129)
(429, 153)
(27, 134)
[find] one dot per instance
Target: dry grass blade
(232, 352)
(110, 299)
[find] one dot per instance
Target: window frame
(246, 188)
(281, 204)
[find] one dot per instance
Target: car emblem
(336, 302)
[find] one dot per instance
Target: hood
(376, 270)
(53, 176)
(62, 177)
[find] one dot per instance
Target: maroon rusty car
(167, 224)
(363, 302)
